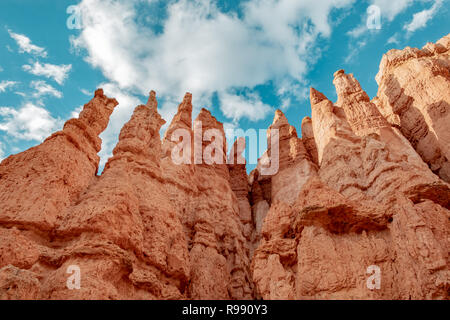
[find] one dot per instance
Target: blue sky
(241, 59)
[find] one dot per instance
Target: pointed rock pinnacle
(316, 96)
(152, 103)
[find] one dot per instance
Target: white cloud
(30, 122)
(2, 152)
(57, 72)
(391, 8)
(5, 84)
(42, 88)
(202, 49)
(86, 92)
(358, 31)
(354, 49)
(237, 106)
(421, 18)
(25, 45)
(1, 69)
(393, 39)
(20, 93)
(76, 113)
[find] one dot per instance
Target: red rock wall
(365, 187)
(375, 201)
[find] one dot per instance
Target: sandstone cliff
(365, 189)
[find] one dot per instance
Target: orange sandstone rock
(413, 95)
(53, 174)
(364, 190)
(368, 207)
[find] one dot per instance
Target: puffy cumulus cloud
(30, 122)
(42, 88)
(59, 73)
(420, 19)
(201, 49)
(25, 45)
(6, 84)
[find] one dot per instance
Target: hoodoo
(358, 207)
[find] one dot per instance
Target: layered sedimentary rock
(52, 175)
(375, 205)
(211, 207)
(308, 139)
(239, 185)
(36, 186)
(124, 234)
(413, 95)
(358, 208)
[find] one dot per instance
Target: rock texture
(413, 96)
(374, 202)
(213, 212)
(364, 190)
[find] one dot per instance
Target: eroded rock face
(358, 213)
(126, 214)
(52, 175)
(363, 193)
(211, 203)
(374, 205)
(413, 95)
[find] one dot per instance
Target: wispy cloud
(390, 9)
(393, 39)
(5, 84)
(420, 19)
(57, 72)
(354, 49)
(42, 88)
(2, 152)
(25, 45)
(358, 31)
(86, 92)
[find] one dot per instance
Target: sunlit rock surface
(365, 188)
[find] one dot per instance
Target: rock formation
(413, 96)
(357, 208)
